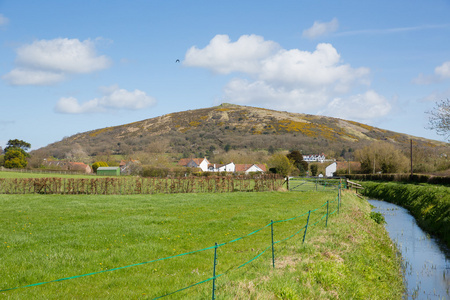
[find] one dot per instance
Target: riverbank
(47, 237)
(429, 204)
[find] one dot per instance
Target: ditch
(425, 261)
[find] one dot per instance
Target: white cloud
(259, 92)
(293, 80)
(319, 29)
(114, 98)
(24, 76)
(46, 62)
(312, 70)
(441, 73)
(436, 96)
(222, 56)
(362, 107)
(3, 20)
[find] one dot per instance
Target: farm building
(108, 171)
(330, 170)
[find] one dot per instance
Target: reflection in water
(426, 263)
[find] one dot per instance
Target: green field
(35, 174)
(48, 237)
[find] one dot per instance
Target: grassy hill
(226, 127)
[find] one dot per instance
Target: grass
(47, 237)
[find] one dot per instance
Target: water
(426, 263)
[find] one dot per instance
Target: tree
(439, 118)
(17, 144)
(381, 157)
(98, 164)
(15, 155)
(314, 168)
(15, 158)
(281, 164)
(297, 158)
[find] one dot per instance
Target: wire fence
(313, 217)
(314, 183)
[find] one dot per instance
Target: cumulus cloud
(46, 62)
(441, 73)
(3, 20)
(362, 107)
(113, 98)
(222, 56)
(294, 80)
(319, 29)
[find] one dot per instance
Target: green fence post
(326, 222)
(306, 227)
(273, 250)
(339, 202)
(214, 272)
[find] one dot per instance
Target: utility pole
(411, 159)
(348, 162)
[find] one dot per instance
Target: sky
(68, 67)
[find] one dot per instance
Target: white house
(201, 163)
(314, 157)
(247, 168)
(330, 170)
(231, 167)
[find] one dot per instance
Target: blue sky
(72, 66)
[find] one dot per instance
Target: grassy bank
(430, 204)
(47, 237)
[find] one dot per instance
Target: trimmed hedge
(416, 178)
(429, 204)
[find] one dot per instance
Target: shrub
(98, 164)
(377, 217)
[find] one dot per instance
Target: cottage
(201, 163)
(248, 168)
(314, 158)
(108, 171)
(231, 167)
(127, 167)
(330, 170)
(79, 166)
(67, 166)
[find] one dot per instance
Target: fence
(46, 171)
(314, 183)
(312, 219)
(139, 185)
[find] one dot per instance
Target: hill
(221, 128)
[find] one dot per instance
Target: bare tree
(439, 118)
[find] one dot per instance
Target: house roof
(185, 161)
(107, 168)
(78, 166)
(245, 167)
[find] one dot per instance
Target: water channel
(426, 263)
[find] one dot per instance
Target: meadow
(49, 237)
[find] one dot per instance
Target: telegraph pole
(411, 160)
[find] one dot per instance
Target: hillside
(221, 128)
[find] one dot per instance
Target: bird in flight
(177, 61)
